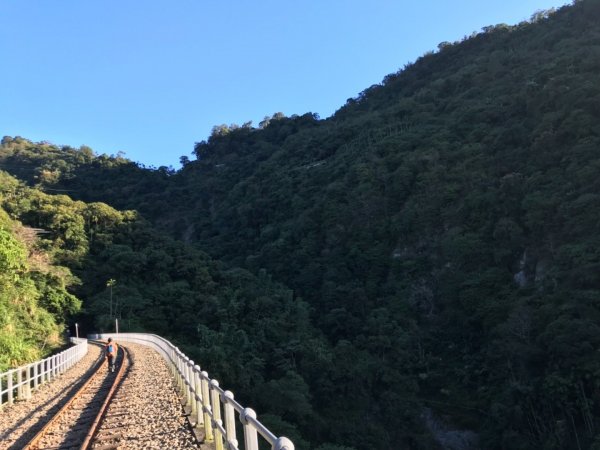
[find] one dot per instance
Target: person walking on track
(110, 349)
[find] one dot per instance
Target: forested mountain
(437, 240)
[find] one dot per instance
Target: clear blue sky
(150, 78)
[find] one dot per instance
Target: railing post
(208, 431)
(178, 363)
(9, 377)
(171, 361)
(182, 369)
(198, 397)
(28, 382)
(181, 358)
(35, 376)
(174, 363)
(250, 434)
(20, 383)
(216, 410)
(189, 388)
(231, 437)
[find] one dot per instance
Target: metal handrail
(21, 381)
(208, 402)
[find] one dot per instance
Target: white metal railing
(21, 381)
(208, 402)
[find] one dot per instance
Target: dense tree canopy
(34, 301)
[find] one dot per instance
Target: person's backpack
(109, 349)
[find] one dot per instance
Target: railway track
(74, 426)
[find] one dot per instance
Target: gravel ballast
(20, 421)
(146, 412)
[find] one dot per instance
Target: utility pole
(109, 284)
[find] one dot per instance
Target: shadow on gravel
(42, 420)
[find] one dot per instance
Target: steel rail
(33, 443)
(100, 416)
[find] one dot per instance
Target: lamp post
(109, 284)
(77, 331)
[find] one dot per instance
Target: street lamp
(109, 284)
(77, 331)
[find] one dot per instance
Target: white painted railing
(21, 381)
(208, 402)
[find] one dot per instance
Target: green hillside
(34, 301)
(436, 240)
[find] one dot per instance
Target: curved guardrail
(208, 402)
(21, 381)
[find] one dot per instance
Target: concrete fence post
(208, 431)
(20, 395)
(183, 380)
(176, 363)
(179, 370)
(250, 434)
(231, 437)
(215, 400)
(198, 397)
(189, 373)
(184, 369)
(9, 377)
(35, 376)
(173, 364)
(28, 382)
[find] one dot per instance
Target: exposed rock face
(521, 276)
(448, 438)
(531, 269)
